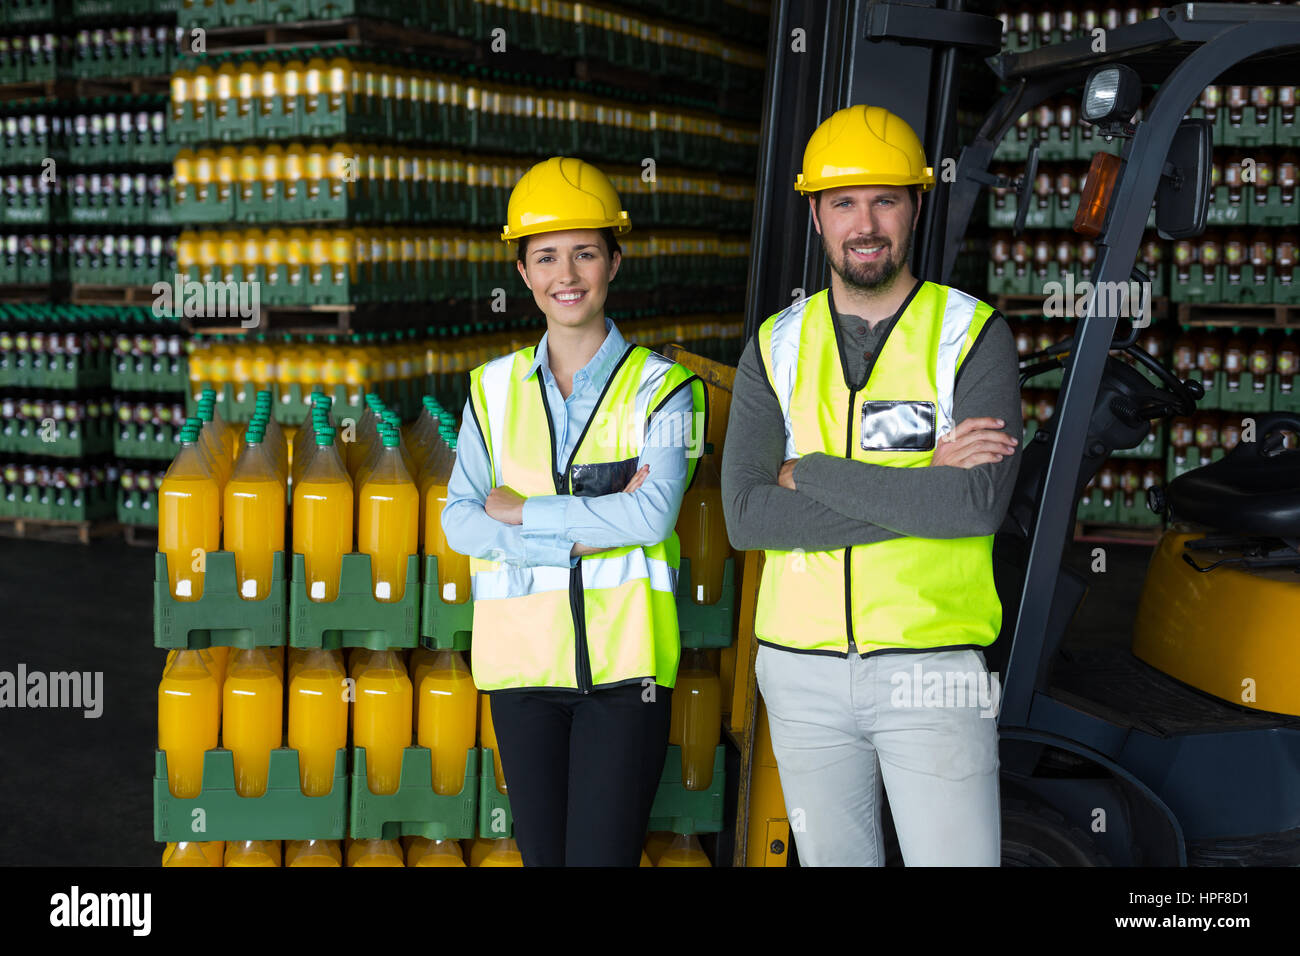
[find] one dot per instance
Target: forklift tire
(1033, 834)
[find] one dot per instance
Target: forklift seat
(1248, 491)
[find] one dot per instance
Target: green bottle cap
(253, 436)
(325, 436)
(391, 440)
(209, 393)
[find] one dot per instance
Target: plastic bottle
(251, 719)
(487, 738)
(656, 843)
(208, 853)
(382, 719)
(253, 853)
(422, 852)
(448, 718)
(504, 853)
(189, 701)
(685, 850)
(394, 422)
(254, 518)
(189, 518)
(322, 518)
(389, 521)
(375, 853)
(318, 717)
(703, 533)
(696, 717)
(215, 440)
(312, 853)
(453, 567)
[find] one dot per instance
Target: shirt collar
(596, 370)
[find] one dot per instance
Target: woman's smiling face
(569, 274)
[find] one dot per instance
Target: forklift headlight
(1111, 94)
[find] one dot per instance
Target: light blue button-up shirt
(552, 524)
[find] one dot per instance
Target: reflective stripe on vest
(905, 593)
(530, 623)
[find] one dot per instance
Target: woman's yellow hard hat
(863, 146)
(563, 193)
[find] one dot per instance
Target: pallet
(24, 293)
(72, 88)
(346, 30)
(1018, 304)
(44, 529)
(1222, 314)
(141, 535)
(1102, 532)
(84, 293)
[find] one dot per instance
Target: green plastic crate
(220, 616)
(416, 809)
(354, 618)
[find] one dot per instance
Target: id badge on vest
(897, 426)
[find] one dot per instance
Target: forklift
(1183, 747)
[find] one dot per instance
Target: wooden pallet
(347, 30)
(1102, 532)
(84, 293)
(44, 529)
(1261, 315)
(1016, 305)
(72, 88)
(141, 535)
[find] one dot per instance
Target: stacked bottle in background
(55, 414)
(1225, 285)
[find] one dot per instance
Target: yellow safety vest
(905, 593)
(611, 619)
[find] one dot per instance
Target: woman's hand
(637, 480)
(506, 505)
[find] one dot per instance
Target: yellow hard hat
(863, 146)
(563, 193)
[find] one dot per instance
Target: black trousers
(582, 770)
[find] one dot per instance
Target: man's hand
(976, 441)
(785, 478)
(506, 505)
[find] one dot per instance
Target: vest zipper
(563, 485)
(848, 551)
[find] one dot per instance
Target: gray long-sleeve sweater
(840, 502)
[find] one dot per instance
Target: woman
(571, 465)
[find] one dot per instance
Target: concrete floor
(77, 791)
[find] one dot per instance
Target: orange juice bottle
(331, 367)
(253, 853)
(322, 518)
(312, 853)
(318, 717)
(703, 533)
(645, 859)
(422, 852)
(355, 373)
(487, 738)
(389, 520)
(685, 850)
(381, 720)
(251, 721)
(274, 439)
(217, 659)
(657, 842)
(189, 518)
(310, 358)
(262, 366)
(208, 853)
(504, 853)
(448, 717)
(254, 517)
(696, 718)
(453, 567)
(286, 369)
(228, 432)
(188, 717)
(213, 438)
(375, 853)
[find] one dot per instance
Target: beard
(869, 276)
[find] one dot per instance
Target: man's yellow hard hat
(863, 146)
(563, 193)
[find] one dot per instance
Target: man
(870, 454)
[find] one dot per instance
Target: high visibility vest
(612, 619)
(906, 593)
